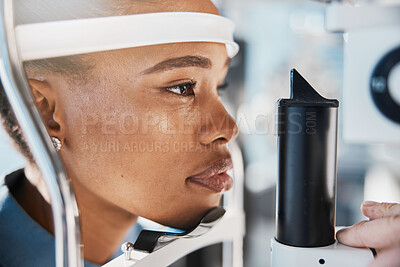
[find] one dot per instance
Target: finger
(378, 233)
(375, 210)
(387, 258)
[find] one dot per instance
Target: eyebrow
(180, 62)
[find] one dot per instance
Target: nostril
(218, 141)
(222, 140)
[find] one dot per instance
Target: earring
(56, 142)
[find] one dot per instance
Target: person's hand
(381, 232)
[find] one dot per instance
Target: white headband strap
(73, 37)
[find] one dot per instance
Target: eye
(186, 89)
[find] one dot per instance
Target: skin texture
(381, 232)
(130, 142)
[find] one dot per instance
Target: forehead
(148, 6)
(32, 11)
(138, 59)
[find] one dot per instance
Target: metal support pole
(63, 203)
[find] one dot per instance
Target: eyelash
(182, 89)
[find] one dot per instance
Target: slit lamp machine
(306, 131)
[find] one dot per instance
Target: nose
(217, 125)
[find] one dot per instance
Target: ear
(49, 105)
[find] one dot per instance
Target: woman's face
(148, 120)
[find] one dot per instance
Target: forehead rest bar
(81, 36)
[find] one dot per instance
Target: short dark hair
(12, 127)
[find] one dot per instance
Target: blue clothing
(23, 242)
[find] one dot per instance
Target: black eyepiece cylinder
(307, 150)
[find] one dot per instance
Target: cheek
(134, 145)
(138, 157)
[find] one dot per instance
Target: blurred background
(276, 36)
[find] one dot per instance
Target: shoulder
(24, 242)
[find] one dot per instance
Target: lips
(215, 177)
